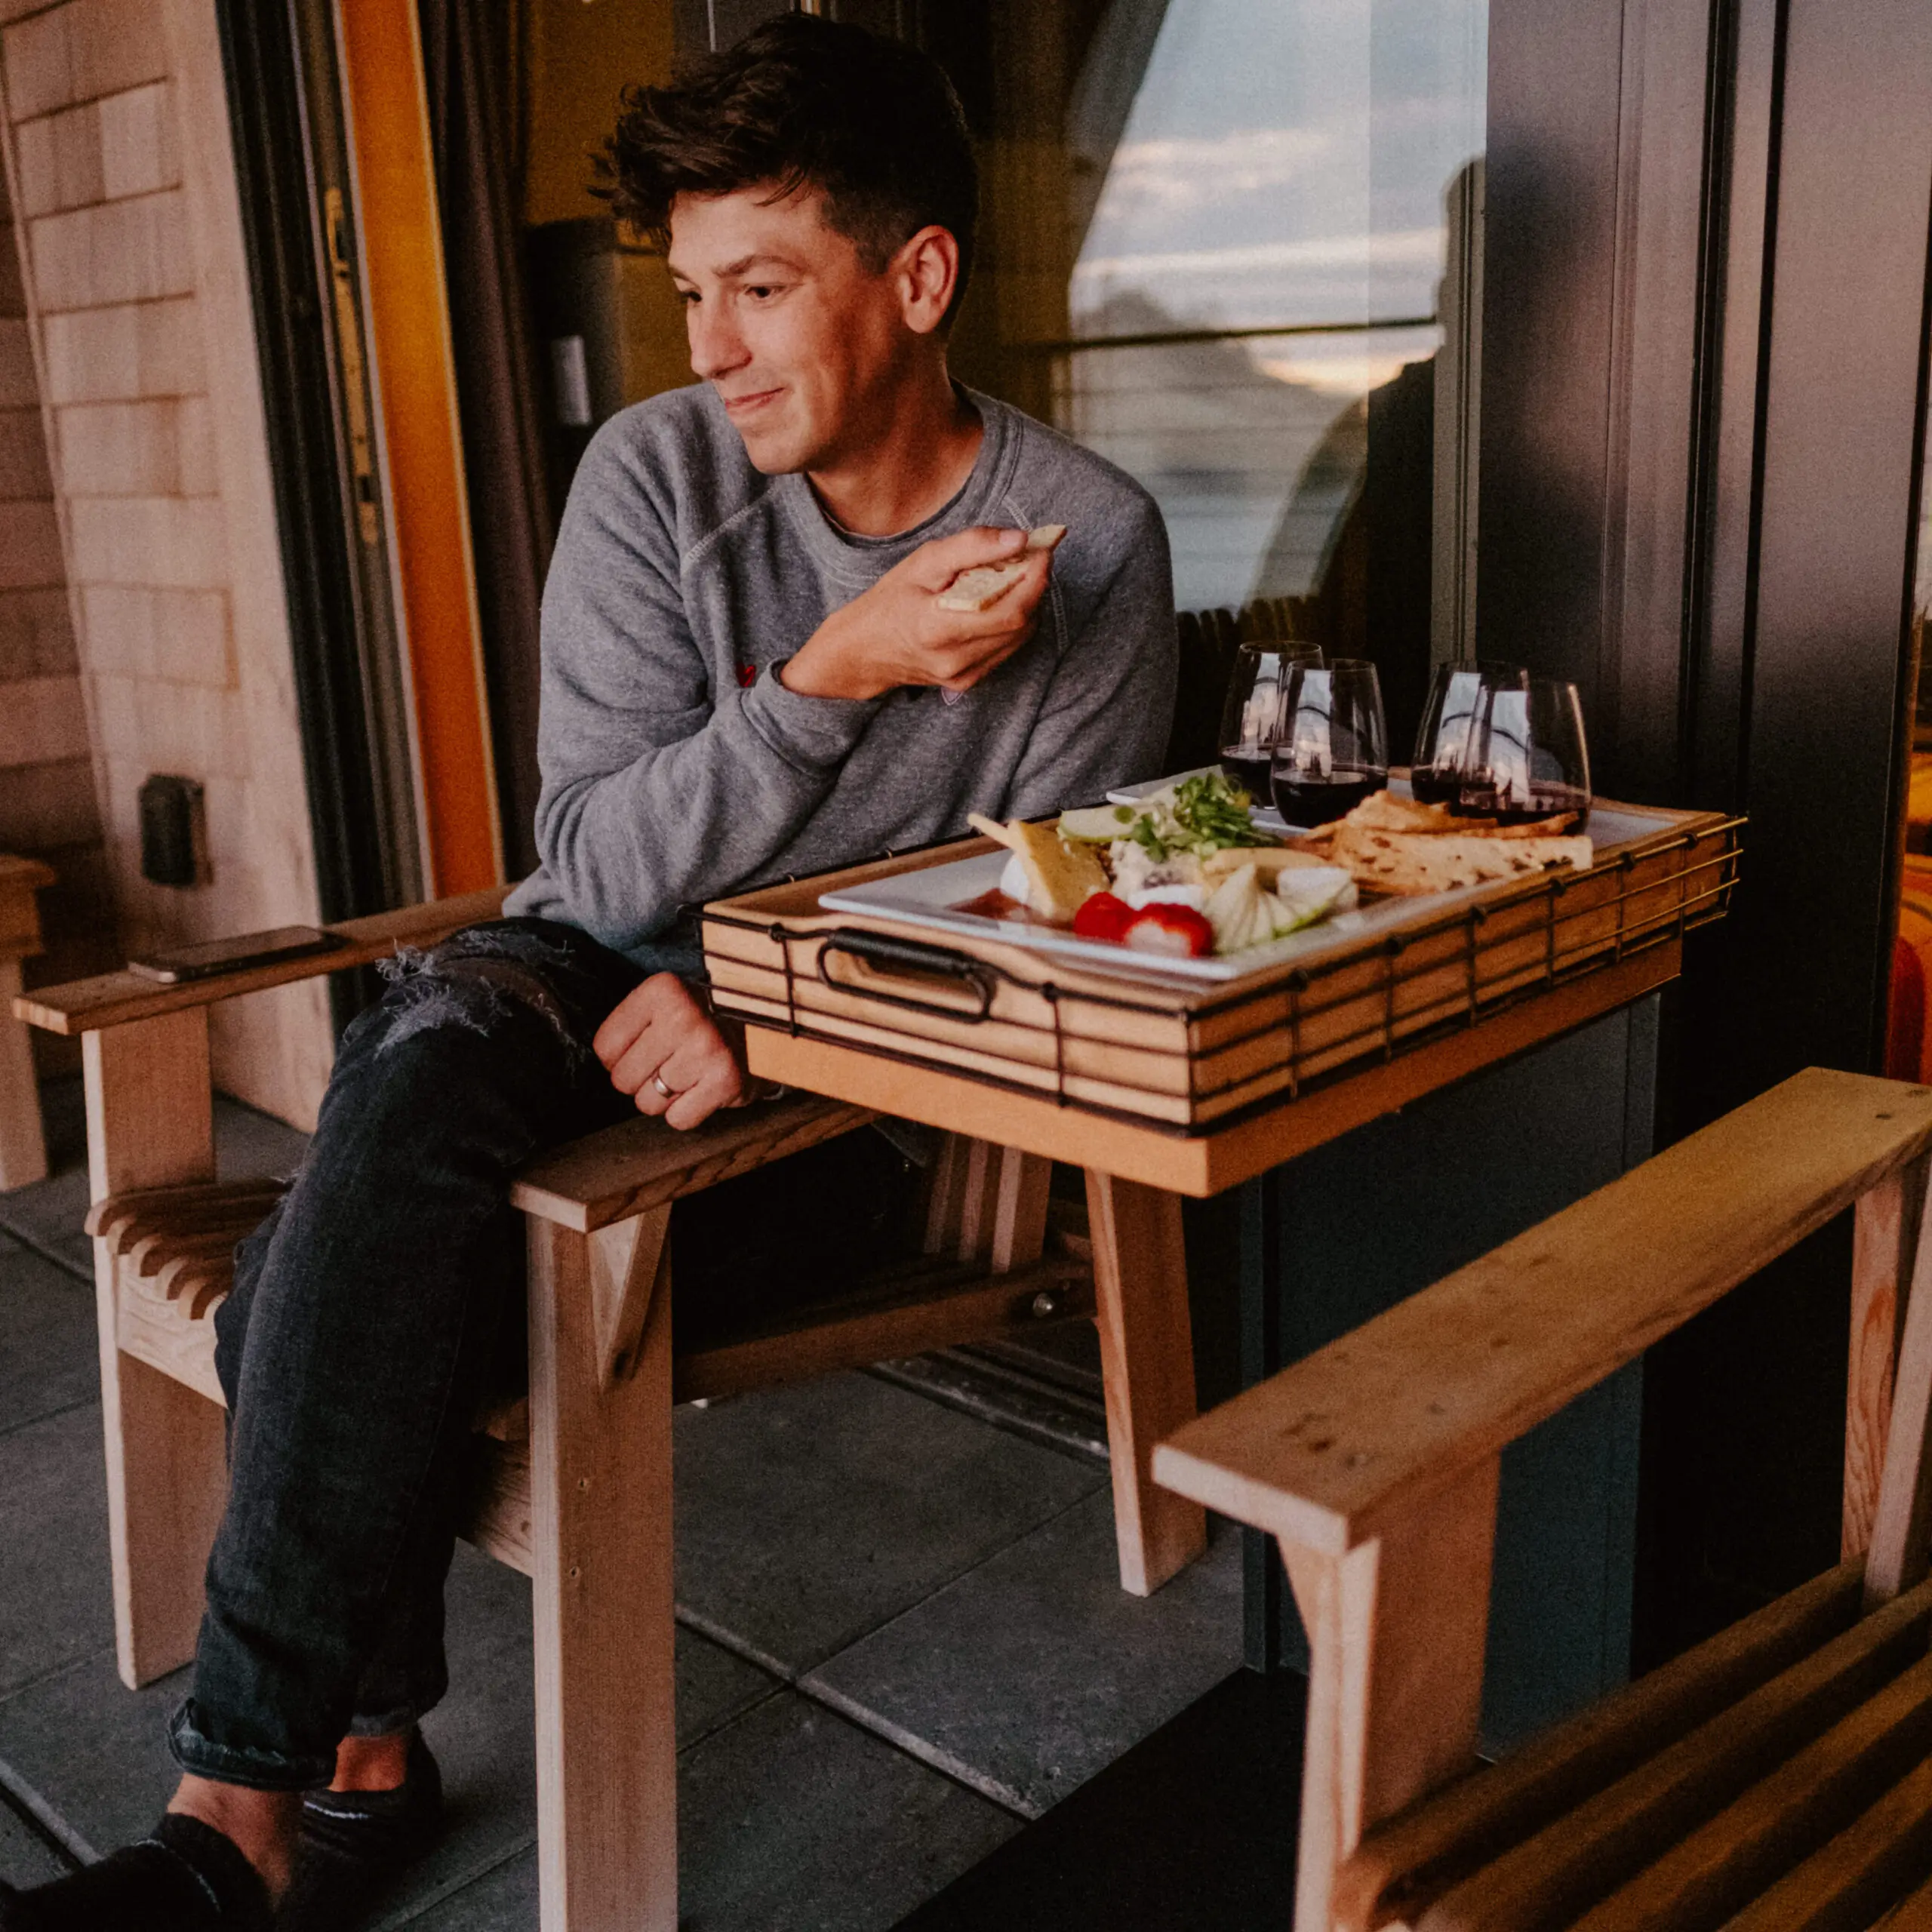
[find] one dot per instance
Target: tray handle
(881, 950)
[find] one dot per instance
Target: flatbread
(1060, 877)
(1387, 811)
(980, 589)
(1408, 862)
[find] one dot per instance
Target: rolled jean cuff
(201, 1757)
(395, 1721)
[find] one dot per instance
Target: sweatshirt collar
(861, 561)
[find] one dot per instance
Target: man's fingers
(937, 564)
(695, 1105)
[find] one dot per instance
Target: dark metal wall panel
(268, 109)
(1548, 274)
(1841, 441)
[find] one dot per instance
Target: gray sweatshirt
(676, 767)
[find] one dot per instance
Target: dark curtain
(468, 57)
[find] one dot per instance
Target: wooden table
(23, 1146)
(1137, 1174)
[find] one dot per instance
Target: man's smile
(752, 400)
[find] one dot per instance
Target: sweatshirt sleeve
(658, 790)
(1107, 714)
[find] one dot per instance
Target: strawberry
(1178, 931)
(1102, 916)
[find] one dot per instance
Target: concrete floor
(899, 1637)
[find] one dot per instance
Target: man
(748, 673)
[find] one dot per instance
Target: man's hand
(895, 633)
(660, 1033)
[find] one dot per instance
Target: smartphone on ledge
(206, 957)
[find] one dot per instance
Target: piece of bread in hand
(980, 589)
(1408, 862)
(1060, 877)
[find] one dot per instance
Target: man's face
(802, 342)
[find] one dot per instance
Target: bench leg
(150, 1124)
(1396, 1630)
(1885, 1240)
(1147, 1360)
(23, 1148)
(600, 1440)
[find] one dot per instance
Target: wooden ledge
(641, 1163)
(1324, 1453)
(114, 999)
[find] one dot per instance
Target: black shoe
(355, 1844)
(186, 1876)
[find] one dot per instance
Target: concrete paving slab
(49, 1357)
(809, 1515)
(55, 1604)
(790, 1817)
(92, 1753)
(25, 1859)
(791, 1820)
(1035, 1670)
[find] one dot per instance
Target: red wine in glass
(1432, 786)
(1308, 797)
(1519, 807)
(1250, 765)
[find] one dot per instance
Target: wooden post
(151, 1123)
(600, 1441)
(1885, 1237)
(23, 1147)
(1147, 1361)
(1396, 1629)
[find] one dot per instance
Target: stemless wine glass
(1529, 758)
(1250, 718)
(1456, 696)
(1333, 750)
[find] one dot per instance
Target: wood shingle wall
(134, 291)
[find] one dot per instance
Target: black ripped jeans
(372, 1310)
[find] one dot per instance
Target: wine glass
(1250, 718)
(1333, 750)
(1456, 695)
(1528, 757)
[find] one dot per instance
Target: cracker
(1408, 862)
(980, 589)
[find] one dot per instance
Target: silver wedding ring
(669, 1093)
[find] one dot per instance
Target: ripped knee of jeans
(476, 980)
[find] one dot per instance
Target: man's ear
(925, 271)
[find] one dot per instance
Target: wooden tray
(1185, 1055)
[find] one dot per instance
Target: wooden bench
(1774, 1778)
(573, 1487)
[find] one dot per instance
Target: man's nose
(717, 348)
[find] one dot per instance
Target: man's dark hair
(802, 101)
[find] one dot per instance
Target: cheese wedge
(1409, 861)
(980, 589)
(1060, 879)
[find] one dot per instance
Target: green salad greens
(1205, 813)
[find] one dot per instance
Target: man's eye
(688, 297)
(761, 291)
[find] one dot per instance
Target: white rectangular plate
(929, 899)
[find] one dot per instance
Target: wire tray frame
(1392, 995)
